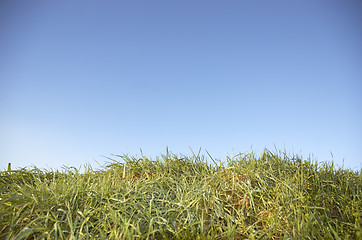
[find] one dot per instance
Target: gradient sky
(80, 80)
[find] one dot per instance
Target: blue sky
(84, 79)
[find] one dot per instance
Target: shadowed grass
(272, 196)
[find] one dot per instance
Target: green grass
(272, 196)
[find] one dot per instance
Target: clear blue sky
(84, 79)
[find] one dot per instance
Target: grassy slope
(272, 196)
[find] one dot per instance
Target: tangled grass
(272, 196)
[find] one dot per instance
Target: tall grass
(272, 196)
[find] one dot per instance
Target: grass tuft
(270, 196)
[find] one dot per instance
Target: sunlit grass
(249, 196)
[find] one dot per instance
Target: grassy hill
(268, 196)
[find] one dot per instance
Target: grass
(272, 196)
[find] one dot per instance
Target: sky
(84, 80)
